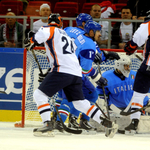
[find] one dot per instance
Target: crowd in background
(11, 32)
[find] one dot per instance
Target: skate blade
(46, 134)
(88, 132)
(131, 132)
(111, 132)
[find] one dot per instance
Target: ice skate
(87, 127)
(46, 130)
(73, 122)
(111, 127)
(131, 129)
(58, 126)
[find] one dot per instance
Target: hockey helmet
(92, 25)
(55, 20)
(83, 17)
(119, 64)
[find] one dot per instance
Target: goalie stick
(108, 116)
(123, 113)
(9, 88)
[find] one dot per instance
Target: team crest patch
(132, 77)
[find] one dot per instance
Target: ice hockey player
(119, 90)
(142, 81)
(65, 74)
(88, 89)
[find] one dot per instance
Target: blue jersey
(74, 32)
(119, 91)
(85, 52)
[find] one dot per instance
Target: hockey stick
(123, 113)
(132, 112)
(138, 57)
(36, 61)
(9, 88)
(117, 110)
(104, 94)
(66, 128)
(101, 111)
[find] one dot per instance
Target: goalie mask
(120, 65)
(55, 20)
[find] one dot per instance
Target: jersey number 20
(67, 48)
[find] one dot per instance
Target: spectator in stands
(25, 4)
(139, 8)
(45, 11)
(96, 14)
(11, 33)
(122, 31)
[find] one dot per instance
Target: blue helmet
(91, 25)
(83, 17)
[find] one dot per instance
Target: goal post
(30, 114)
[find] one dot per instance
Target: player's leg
(64, 111)
(91, 95)
(74, 93)
(58, 101)
(141, 88)
(51, 85)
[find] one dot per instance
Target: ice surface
(12, 138)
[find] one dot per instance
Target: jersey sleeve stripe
(86, 71)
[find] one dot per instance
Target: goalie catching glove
(42, 76)
(130, 47)
(111, 55)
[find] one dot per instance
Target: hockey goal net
(30, 115)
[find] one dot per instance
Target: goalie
(119, 90)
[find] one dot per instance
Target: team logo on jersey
(132, 77)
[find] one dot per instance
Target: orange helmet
(55, 20)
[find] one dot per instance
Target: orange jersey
(60, 50)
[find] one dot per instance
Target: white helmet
(119, 64)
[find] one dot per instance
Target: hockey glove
(111, 55)
(42, 76)
(102, 82)
(28, 45)
(98, 58)
(129, 49)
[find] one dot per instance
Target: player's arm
(130, 47)
(139, 39)
(107, 55)
(86, 59)
(34, 39)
